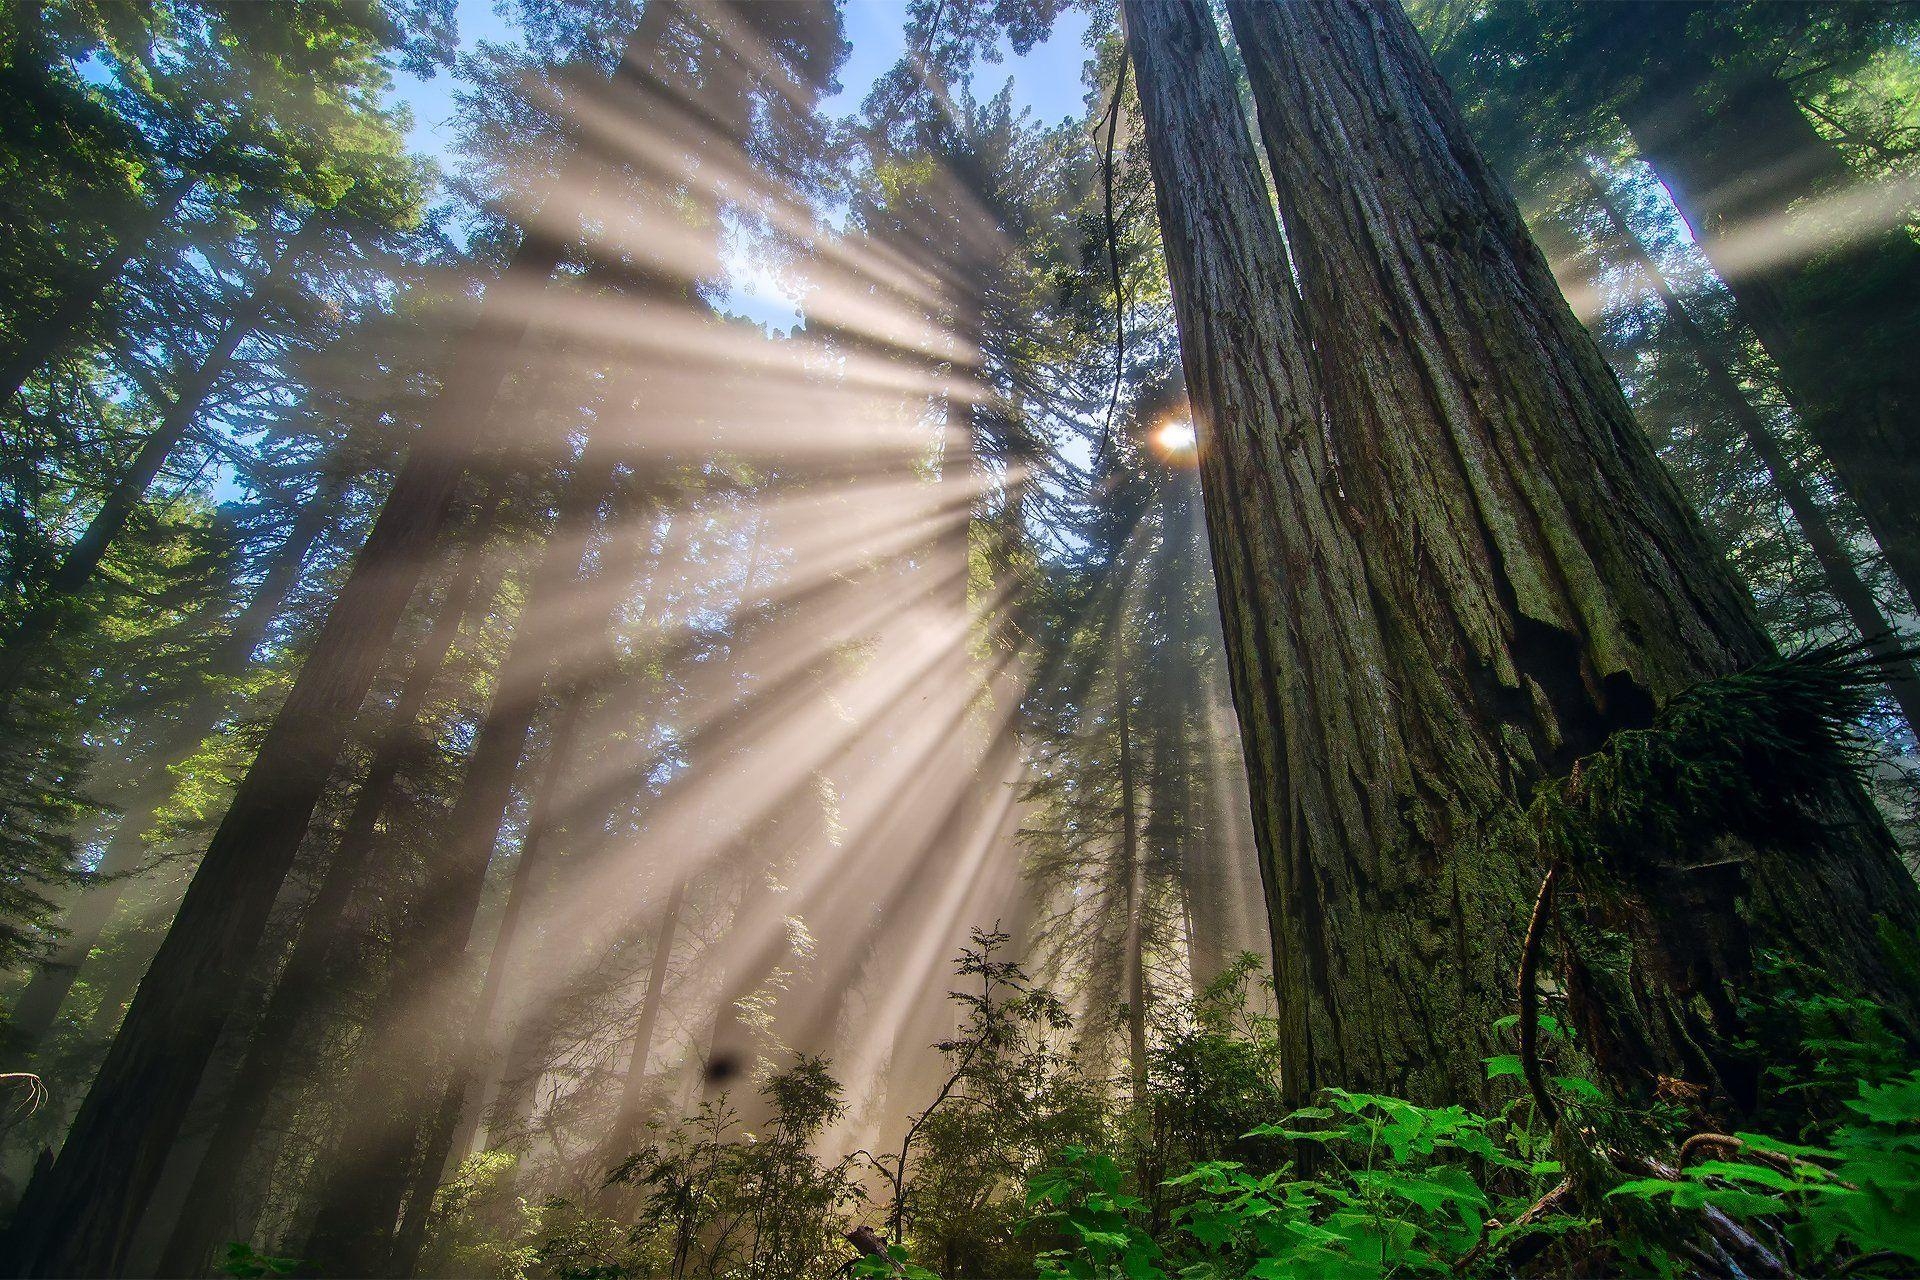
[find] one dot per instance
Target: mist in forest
(685, 638)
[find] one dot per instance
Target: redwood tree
(1449, 566)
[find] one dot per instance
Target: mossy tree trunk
(1449, 566)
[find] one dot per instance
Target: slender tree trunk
(51, 609)
(633, 1089)
(1841, 321)
(530, 875)
(316, 965)
(529, 1044)
(1133, 865)
(51, 335)
(1198, 852)
(396, 1097)
(89, 1205)
(448, 1133)
(40, 1001)
(1842, 575)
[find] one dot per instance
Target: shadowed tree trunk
(395, 1098)
(40, 1001)
(1449, 565)
(316, 966)
(578, 823)
(1132, 862)
(448, 1133)
(633, 1089)
(1840, 320)
(85, 1211)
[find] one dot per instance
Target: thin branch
(1113, 256)
(1530, 999)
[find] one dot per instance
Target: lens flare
(1176, 440)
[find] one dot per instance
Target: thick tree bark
(1836, 563)
(397, 1097)
(25, 642)
(88, 1207)
(1840, 320)
(54, 332)
(317, 963)
(1523, 531)
(39, 1003)
(1450, 564)
(1291, 584)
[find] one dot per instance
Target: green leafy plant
(1847, 1204)
(243, 1263)
(1393, 1188)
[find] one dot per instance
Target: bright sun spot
(1175, 437)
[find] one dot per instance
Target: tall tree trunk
(530, 1042)
(1133, 865)
(25, 642)
(317, 963)
(531, 875)
(1451, 566)
(395, 1095)
(52, 334)
(1840, 320)
(1836, 564)
(633, 1089)
(88, 1207)
(39, 1003)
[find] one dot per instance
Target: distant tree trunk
(530, 1042)
(1132, 863)
(1195, 849)
(448, 1133)
(530, 874)
(633, 1089)
(52, 334)
(315, 967)
(394, 1095)
(1449, 565)
(1842, 575)
(25, 641)
(86, 1210)
(1841, 321)
(39, 1003)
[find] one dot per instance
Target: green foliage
(1011, 1100)
(1394, 1188)
(897, 1265)
(1856, 1194)
(1368, 1185)
(1727, 755)
(243, 1263)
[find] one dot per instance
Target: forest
(959, 639)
